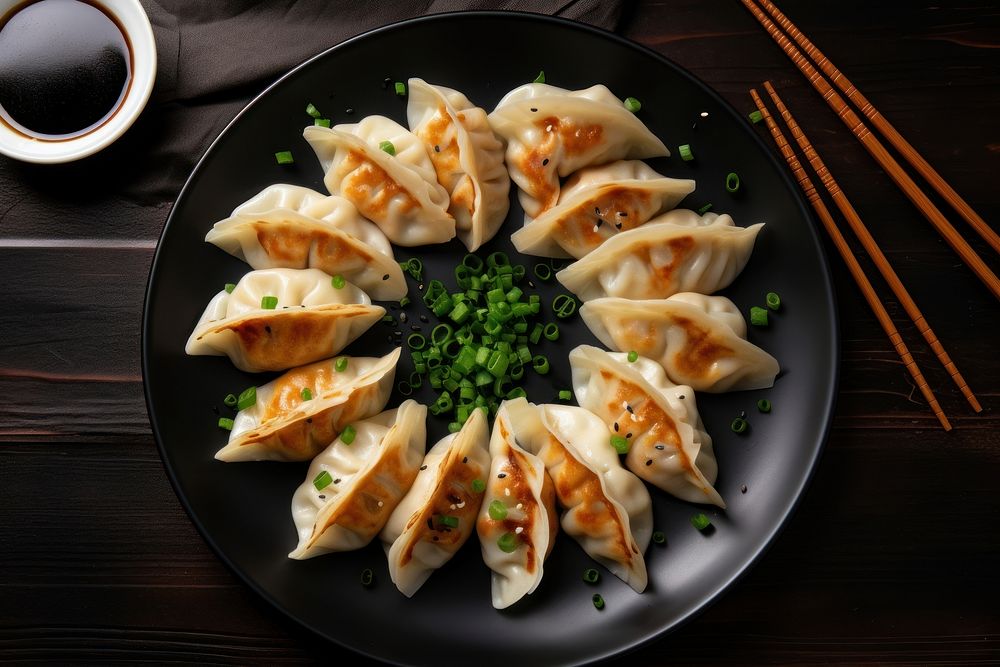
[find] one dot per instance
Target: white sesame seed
(380, 503)
(506, 492)
(519, 530)
(520, 506)
(704, 114)
(453, 506)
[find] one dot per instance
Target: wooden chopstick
(885, 127)
(861, 231)
(852, 263)
(881, 155)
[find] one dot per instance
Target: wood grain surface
(891, 558)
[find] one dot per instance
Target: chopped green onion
(448, 521)
(563, 306)
(685, 151)
(340, 365)
(416, 341)
(322, 122)
(565, 395)
(416, 269)
(478, 485)
(764, 405)
(516, 392)
(633, 356)
(284, 157)
(388, 318)
(620, 443)
(700, 521)
(507, 543)
(400, 88)
(404, 302)
(306, 394)
(591, 576)
(454, 427)
(226, 423)
(598, 601)
(387, 147)
(367, 577)
(705, 209)
(540, 364)
(632, 104)
(758, 316)
(755, 116)
(732, 182)
(497, 510)
(322, 480)
(739, 425)
(474, 263)
(312, 110)
(541, 77)
(348, 434)
(543, 272)
(551, 331)
(247, 398)
(269, 302)
(773, 301)
(404, 388)
(659, 537)
(338, 282)
(230, 287)
(229, 401)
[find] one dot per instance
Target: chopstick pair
(875, 147)
(858, 226)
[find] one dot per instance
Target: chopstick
(885, 127)
(852, 263)
(881, 155)
(861, 231)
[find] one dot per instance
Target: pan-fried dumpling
(290, 227)
(552, 132)
(608, 509)
(467, 157)
(352, 487)
(699, 340)
(287, 423)
(307, 319)
(439, 513)
(668, 445)
(393, 184)
(517, 523)
(676, 252)
(597, 203)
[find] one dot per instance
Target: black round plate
(243, 510)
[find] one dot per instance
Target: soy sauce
(65, 68)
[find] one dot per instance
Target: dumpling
(439, 513)
(608, 509)
(467, 157)
(597, 203)
(552, 132)
(288, 424)
(699, 340)
(352, 487)
(664, 257)
(290, 227)
(393, 186)
(517, 523)
(307, 319)
(668, 444)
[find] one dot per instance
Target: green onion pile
(479, 353)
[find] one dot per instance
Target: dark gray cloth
(213, 57)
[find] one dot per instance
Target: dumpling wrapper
(699, 340)
(678, 251)
(415, 539)
(608, 510)
(596, 204)
(368, 478)
(668, 444)
(552, 132)
(283, 426)
(517, 479)
(313, 320)
(291, 227)
(467, 157)
(399, 192)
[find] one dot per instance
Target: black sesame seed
(534, 109)
(743, 489)
(336, 481)
(309, 420)
(267, 328)
(397, 333)
(618, 225)
(599, 223)
(388, 338)
(616, 427)
(649, 462)
(545, 162)
(629, 408)
(623, 214)
(501, 475)
(435, 538)
(215, 409)
(660, 447)
(694, 126)
(437, 149)
(597, 210)
(423, 467)
(403, 317)
(414, 327)
(322, 497)
(430, 523)
(628, 435)
(348, 111)
(465, 459)
(423, 318)
(452, 498)
(385, 277)
(681, 397)
(386, 82)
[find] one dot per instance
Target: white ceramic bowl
(134, 21)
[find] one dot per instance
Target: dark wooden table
(892, 556)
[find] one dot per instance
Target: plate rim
(827, 286)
